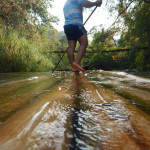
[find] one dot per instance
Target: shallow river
(98, 110)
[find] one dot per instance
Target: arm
(89, 4)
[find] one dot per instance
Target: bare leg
(82, 48)
(70, 52)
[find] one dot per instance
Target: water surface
(98, 110)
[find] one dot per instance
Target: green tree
(132, 22)
(27, 36)
(25, 12)
(138, 34)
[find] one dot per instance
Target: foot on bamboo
(78, 66)
(75, 70)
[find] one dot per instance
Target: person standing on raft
(75, 31)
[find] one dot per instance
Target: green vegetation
(134, 34)
(27, 37)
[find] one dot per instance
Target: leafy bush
(17, 53)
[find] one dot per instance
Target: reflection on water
(76, 112)
(84, 130)
(49, 133)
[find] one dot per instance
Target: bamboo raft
(77, 111)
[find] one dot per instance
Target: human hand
(98, 3)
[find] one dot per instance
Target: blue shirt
(73, 12)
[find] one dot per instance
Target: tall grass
(19, 53)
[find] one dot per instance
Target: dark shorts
(74, 32)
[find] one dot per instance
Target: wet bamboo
(101, 118)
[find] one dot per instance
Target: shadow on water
(76, 126)
(82, 125)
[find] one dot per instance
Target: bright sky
(99, 17)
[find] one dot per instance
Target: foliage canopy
(27, 35)
(133, 26)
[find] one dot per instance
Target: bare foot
(75, 70)
(78, 66)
